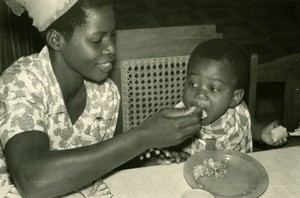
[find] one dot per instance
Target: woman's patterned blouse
(31, 99)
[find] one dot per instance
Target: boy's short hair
(219, 49)
(75, 17)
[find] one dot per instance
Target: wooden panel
(280, 70)
(159, 42)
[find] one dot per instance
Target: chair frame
(286, 70)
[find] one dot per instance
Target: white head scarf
(43, 12)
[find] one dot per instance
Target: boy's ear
(237, 97)
(54, 39)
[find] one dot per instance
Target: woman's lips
(105, 67)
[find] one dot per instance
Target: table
(167, 181)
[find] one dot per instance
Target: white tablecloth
(167, 181)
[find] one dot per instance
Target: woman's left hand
(164, 156)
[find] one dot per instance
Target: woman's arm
(40, 172)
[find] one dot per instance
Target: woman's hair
(220, 49)
(75, 17)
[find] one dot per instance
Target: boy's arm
(262, 133)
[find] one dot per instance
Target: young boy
(217, 77)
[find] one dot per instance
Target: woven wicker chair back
(150, 85)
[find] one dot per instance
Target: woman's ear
(237, 97)
(54, 39)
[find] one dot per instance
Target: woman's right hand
(169, 127)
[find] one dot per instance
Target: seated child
(217, 77)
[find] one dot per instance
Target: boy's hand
(266, 135)
(163, 157)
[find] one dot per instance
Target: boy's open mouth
(204, 113)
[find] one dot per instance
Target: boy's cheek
(186, 102)
(209, 119)
(206, 122)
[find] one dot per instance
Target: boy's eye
(193, 84)
(214, 89)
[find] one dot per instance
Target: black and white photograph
(149, 98)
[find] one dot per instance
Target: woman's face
(91, 50)
(209, 85)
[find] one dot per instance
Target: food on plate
(278, 133)
(211, 168)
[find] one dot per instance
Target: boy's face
(210, 86)
(91, 50)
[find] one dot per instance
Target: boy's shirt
(230, 131)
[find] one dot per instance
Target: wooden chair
(152, 65)
(285, 70)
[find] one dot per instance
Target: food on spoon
(279, 133)
(204, 114)
(211, 168)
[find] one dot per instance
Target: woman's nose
(110, 46)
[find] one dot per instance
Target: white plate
(245, 176)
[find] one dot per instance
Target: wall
(17, 37)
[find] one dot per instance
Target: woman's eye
(97, 40)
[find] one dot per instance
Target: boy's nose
(201, 95)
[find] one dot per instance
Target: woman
(59, 110)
